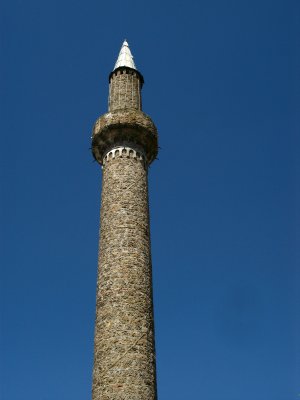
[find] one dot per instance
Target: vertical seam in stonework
(109, 96)
(132, 102)
(119, 94)
(126, 88)
(113, 93)
(139, 95)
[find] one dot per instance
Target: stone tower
(124, 143)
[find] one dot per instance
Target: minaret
(124, 143)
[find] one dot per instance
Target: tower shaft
(124, 336)
(124, 142)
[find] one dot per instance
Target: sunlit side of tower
(124, 143)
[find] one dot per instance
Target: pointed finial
(125, 58)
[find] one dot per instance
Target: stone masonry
(124, 89)
(124, 142)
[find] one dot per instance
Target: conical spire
(125, 58)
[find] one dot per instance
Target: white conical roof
(125, 58)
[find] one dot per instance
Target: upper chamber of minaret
(125, 89)
(125, 123)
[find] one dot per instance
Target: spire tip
(125, 58)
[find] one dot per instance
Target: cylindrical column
(124, 358)
(125, 89)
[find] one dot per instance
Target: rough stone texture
(125, 89)
(124, 366)
(124, 141)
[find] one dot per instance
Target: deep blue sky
(221, 86)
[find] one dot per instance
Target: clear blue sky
(220, 83)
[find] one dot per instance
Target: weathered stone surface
(124, 334)
(125, 89)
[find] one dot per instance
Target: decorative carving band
(123, 152)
